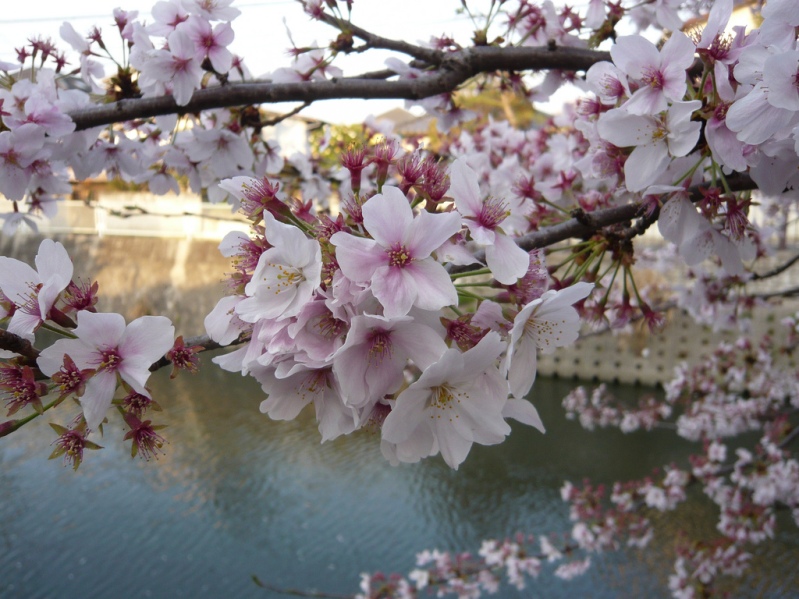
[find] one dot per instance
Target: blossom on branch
(397, 260)
(112, 349)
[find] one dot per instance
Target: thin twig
(283, 117)
(777, 270)
(790, 292)
(139, 211)
(298, 592)
(428, 55)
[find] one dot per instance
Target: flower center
(329, 326)
(380, 346)
(543, 332)
(399, 256)
(652, 78)
(492, 213)
(110, 360)
(286, 277)
(612, 87)
(314, 383)
(443, 399)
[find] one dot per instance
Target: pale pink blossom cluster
(747, 491)
(99, 354)
(515, 561)
(360, 316)
(603, 410)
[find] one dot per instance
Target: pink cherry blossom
(211, 42)
(213, 10)
(34, 292)
(371, 362)
(177, 68)
(545, 323)
(398, 259)
(286, 276)
(661, 74)
(104, 343)
(168, 15)
(456, 402)
(287, 397)
(483, 217)
(18, 150)
(655, 140)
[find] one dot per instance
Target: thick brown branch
(456, 68)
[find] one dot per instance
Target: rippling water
(239, 495)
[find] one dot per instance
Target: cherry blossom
(286, 275)
(483, 217)
(177, 69)
(654, 139)
(457, 401)
(371, 362)
(661, 75)
(106, 344)
(35, 292)
(545, 323)
(381, 314)
(398, 259)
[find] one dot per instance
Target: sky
(261, 35)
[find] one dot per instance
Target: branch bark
(455, 69)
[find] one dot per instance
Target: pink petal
(100, 330)
(433, 287)
(406, 416)
(358, 257)
(464, 188)
(507, 261)
(644, 165)
(522, 367)
(523, 411)
(97, 397)
(396, 290)
(386, 216)
(428, 231)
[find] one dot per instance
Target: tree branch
(18, 345)
(777, 270)
(283, 117)
(578, 227)
(790, 292)
(375, 41)
(456, 68)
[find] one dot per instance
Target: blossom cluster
(466, 575)
(360, 316)
(99, 353)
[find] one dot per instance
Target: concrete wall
(179, 278)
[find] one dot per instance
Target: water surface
(238, 495)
